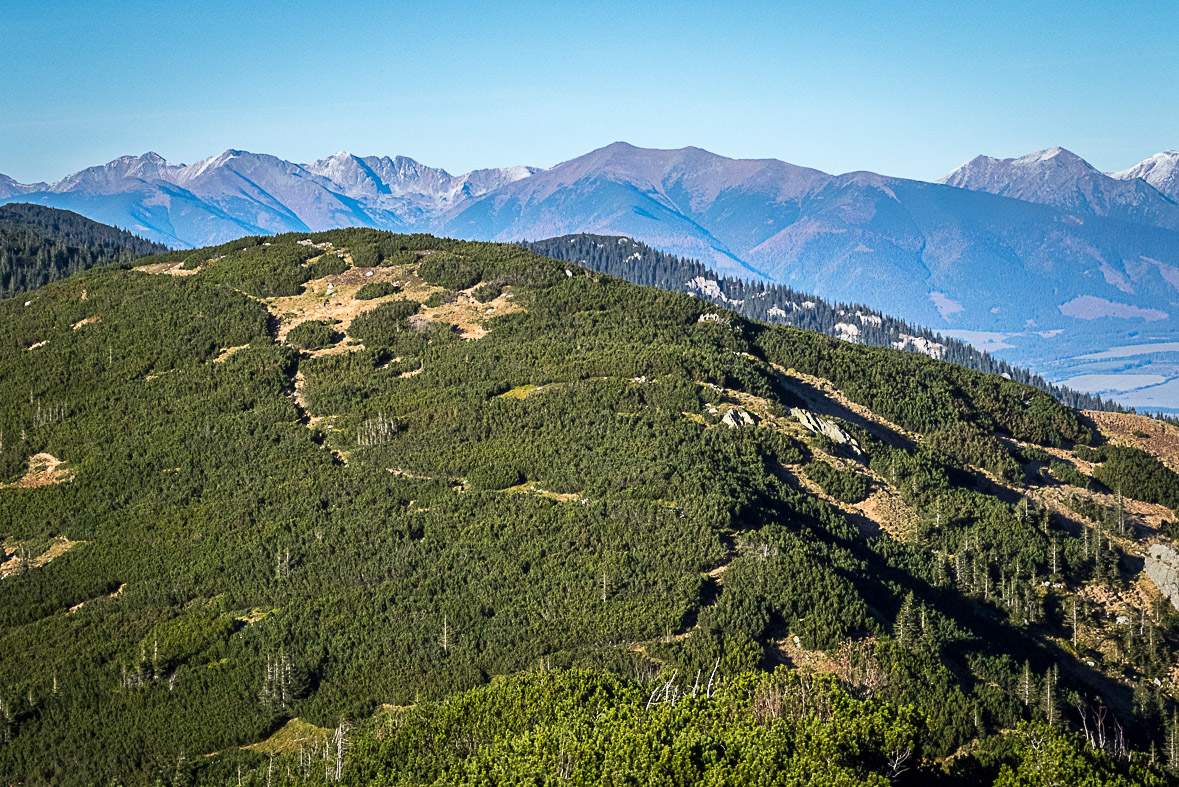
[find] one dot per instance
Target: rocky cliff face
(1162, 566)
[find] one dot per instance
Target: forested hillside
(39, 245)
(386, 509)
(636, 262)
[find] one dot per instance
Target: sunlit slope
(314, 476)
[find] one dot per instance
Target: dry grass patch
(334, 298)
(882, 511)
(80, 604)
(167, 269)
(532, 489)
(300, 384)
(253, 616)
(339, 348)
(524, 391)
(296, 734)
(44, 470)
(16, 557)
(228, 351)
(791, 653)
(1147, 516)
(87, 321)
(414, 476)
(887, 511)
(467, 314)
(1161, 440)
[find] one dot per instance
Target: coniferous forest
(39, 245)
(363, 508)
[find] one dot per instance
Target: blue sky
(910, 89)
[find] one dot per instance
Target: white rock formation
(1162, 566)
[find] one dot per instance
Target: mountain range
(1043, 259)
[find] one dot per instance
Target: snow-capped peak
(984, 173)
(190, 173)
(1062, 179)
(1057, 153)
(1160, 170)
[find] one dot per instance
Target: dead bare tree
(278, 684)
(1173, 740)
(896, 761)
(1025, 685)
(1082, 711)
(282, 564)
(711, 678)
(376, 431)
(340, 741)
(6, 719)
(1051, 712)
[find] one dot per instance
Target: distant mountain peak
(1055, 154)
(1060, 178)
(1160, 170)
(987, 169)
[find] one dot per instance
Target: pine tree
(907, 627)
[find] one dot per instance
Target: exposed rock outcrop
(1162, 566)
(738, 417)
(828, 429)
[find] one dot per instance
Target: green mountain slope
(39, 245)
(236, 494)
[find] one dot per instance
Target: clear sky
(902, 88)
